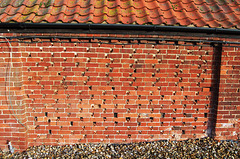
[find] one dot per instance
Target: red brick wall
(70, 91)
(228, 117)
(12, 107)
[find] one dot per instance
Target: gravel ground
(197, 148)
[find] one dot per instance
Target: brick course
(69, 90)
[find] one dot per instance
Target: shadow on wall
(213, 110)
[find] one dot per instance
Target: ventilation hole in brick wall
(183, 123)
(115, 115)
(94, 123)
(115, 122)
(58, 118)
(81, 118)
(71, 123)
(174, 118)
(104, 118)
(183, 131)
(113, 88)
(36, 118)
(46, 114)
(205, 115)
(128, 118)
(49, 120)
(104, 110)
(162, 115)
(197, 110)
(174, 110)
(90, 87)
(195, 118)
(151, 110)
(129, 135)
(151, 118)
(50, 131)
(184, 106)
(139, 123)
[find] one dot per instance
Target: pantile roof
(199, 13)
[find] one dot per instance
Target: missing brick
(162, 115)
(183, 132)
(205, 115)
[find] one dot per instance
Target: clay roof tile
(200, 13)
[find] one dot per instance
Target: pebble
(191, 148)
